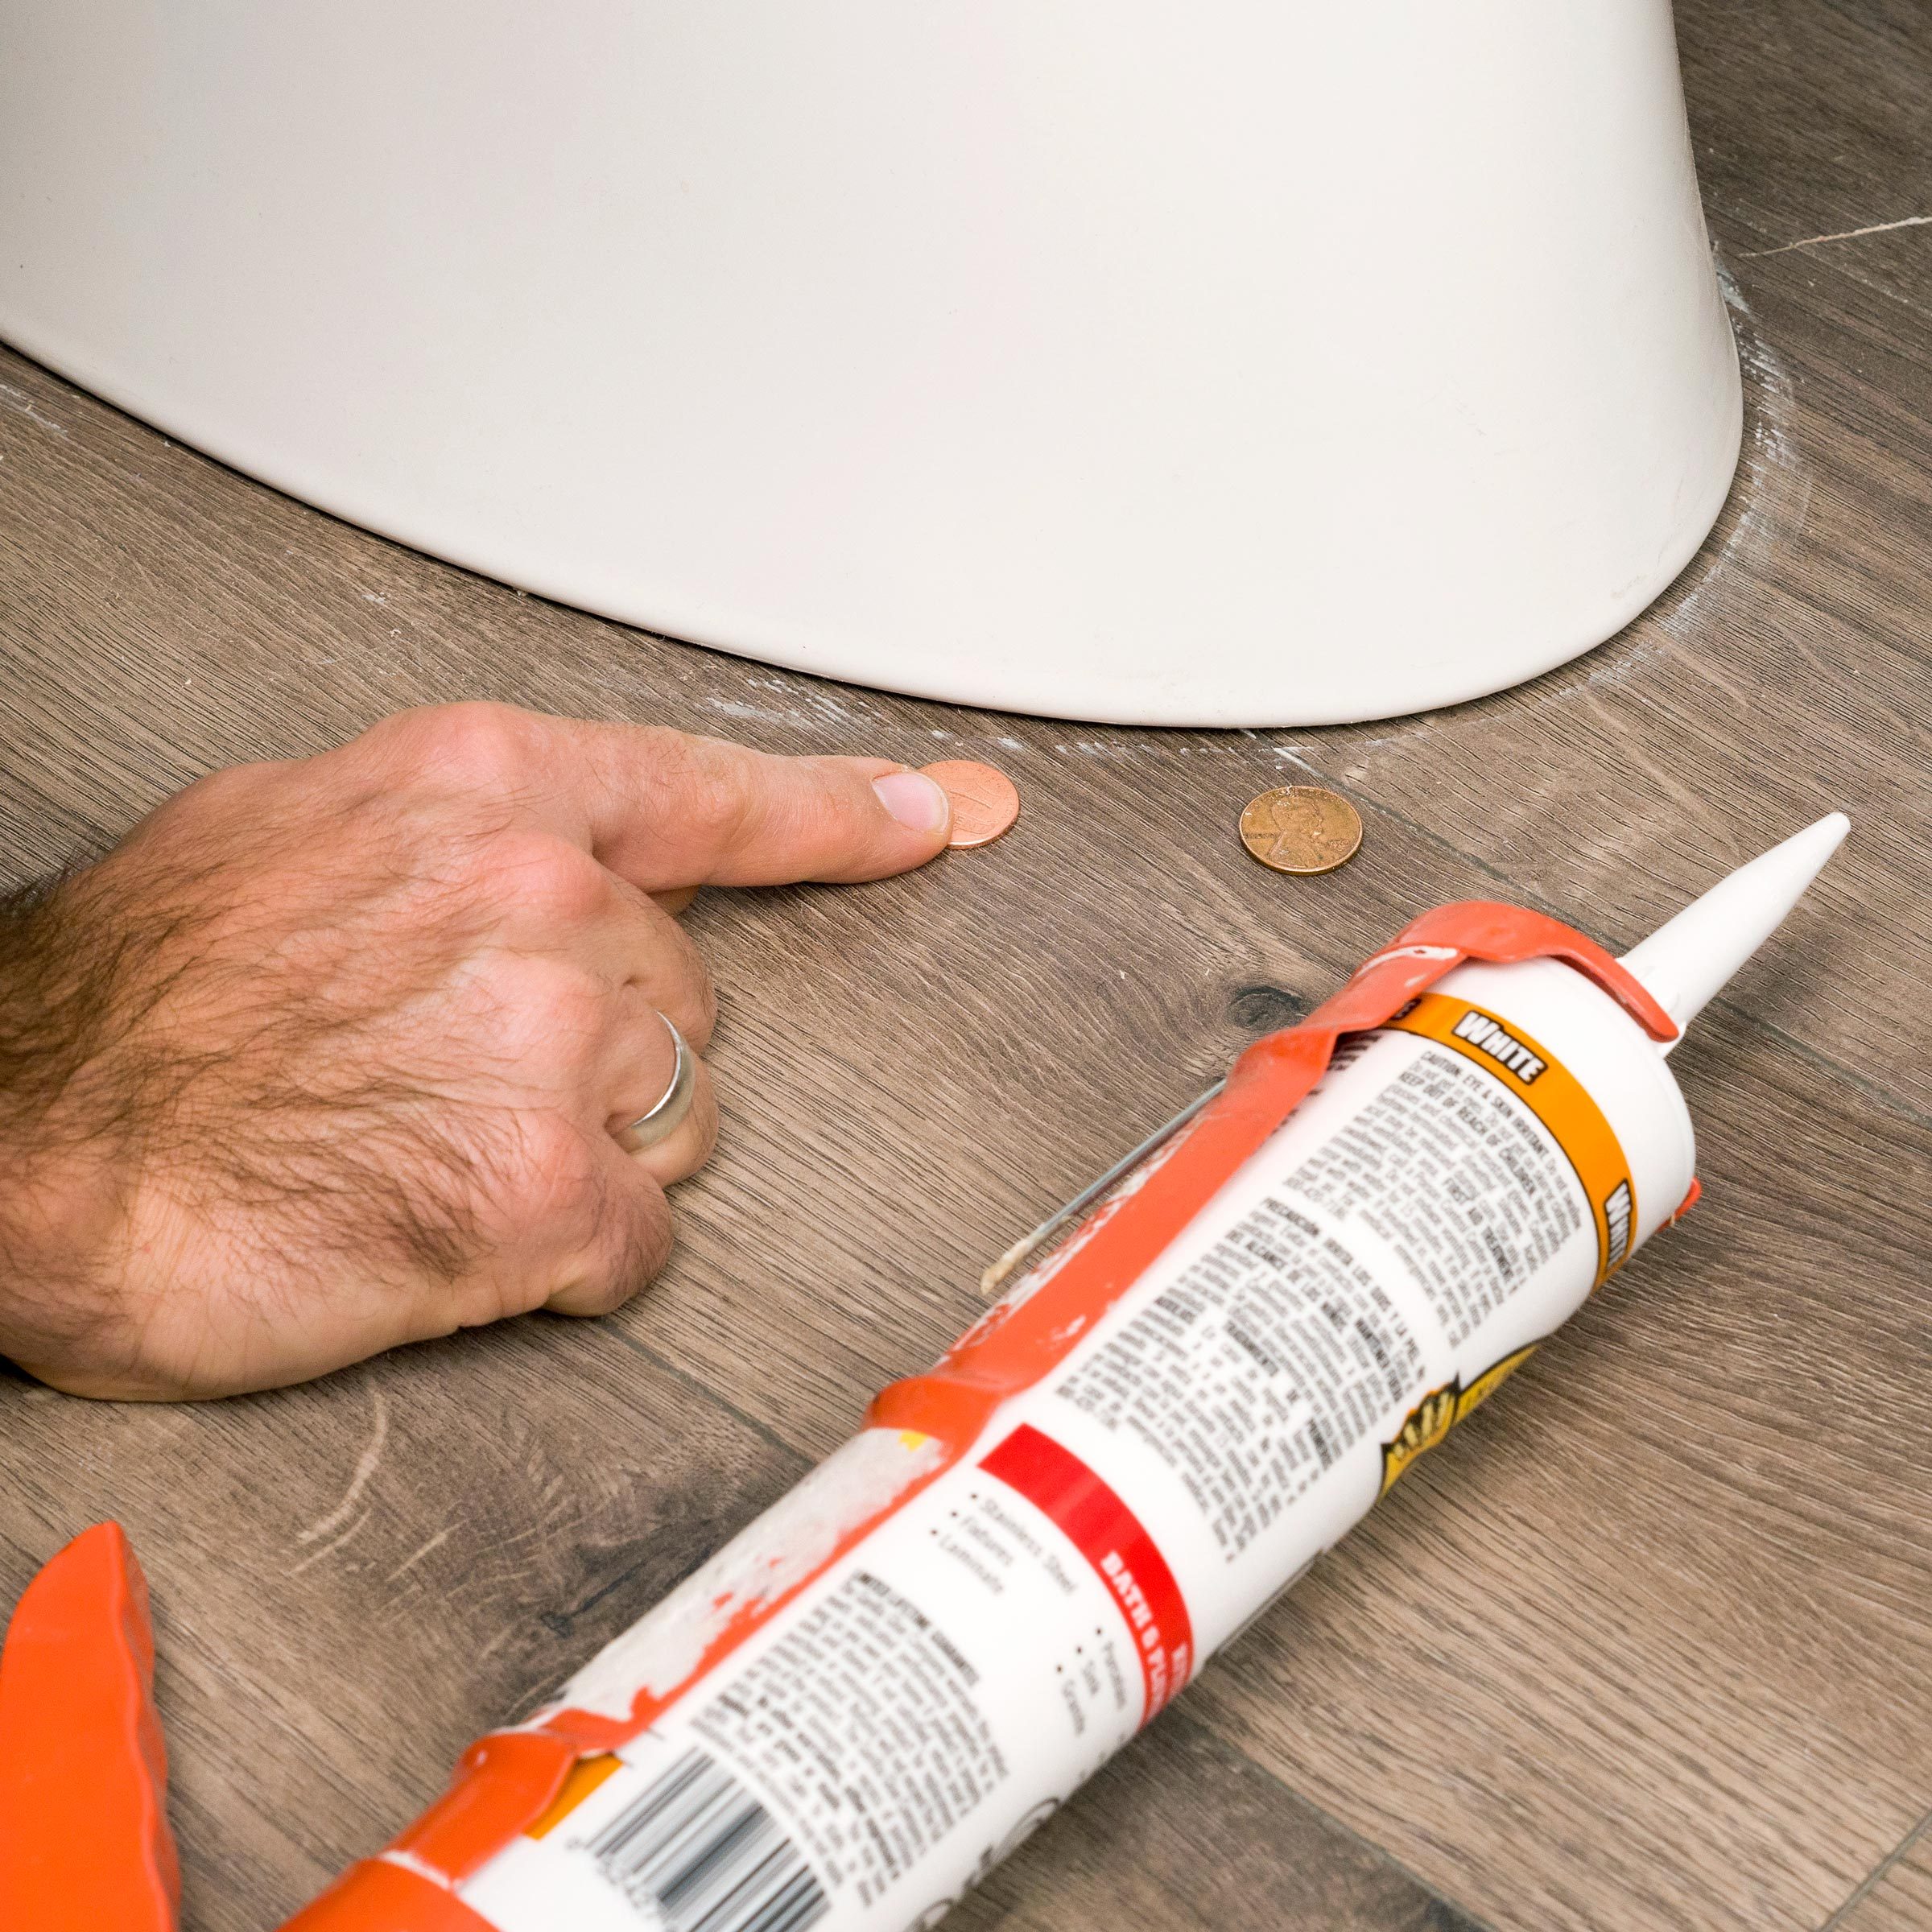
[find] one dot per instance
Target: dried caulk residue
(22, 404)
(1774, 493)
(803, 702)
(776, 1553)
(1036, 1277)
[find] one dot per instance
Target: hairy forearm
(193, 1102)
(68, 1110)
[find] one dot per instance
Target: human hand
(332, 1054)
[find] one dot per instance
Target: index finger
(665, 809)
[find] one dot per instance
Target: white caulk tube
(846, 1717)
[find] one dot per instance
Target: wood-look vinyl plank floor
(1648, 1646)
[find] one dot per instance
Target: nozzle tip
(1685, 961)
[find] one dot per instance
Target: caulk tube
(861, 1704)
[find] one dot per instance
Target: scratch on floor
(410, 1563)
(366, 1465)
(1843, 234)
(22, 404)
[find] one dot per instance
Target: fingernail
(913, 799)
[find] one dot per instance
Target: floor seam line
(1867, 1885)
(1379, 1852)
(763, 1431)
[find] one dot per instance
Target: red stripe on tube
(1114, 1542)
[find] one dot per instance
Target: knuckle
(475, 745)
(218, 800)
(693, 998)
(628, 1244)
(540, 1007)
(233, 785)
(546, 879)
(700, 788)
(550, 1177)
(641, 1241)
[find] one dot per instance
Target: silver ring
(664, 1119)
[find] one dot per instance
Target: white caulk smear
(1687, 959)
(776, 1553)
(1773, 490)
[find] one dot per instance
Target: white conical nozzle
(1685, 961)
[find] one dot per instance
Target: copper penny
(1301, 828)
(984, 801)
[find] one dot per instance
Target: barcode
(698, 1846)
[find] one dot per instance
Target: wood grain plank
(1810, 119)
(912, 1068)
(1182, 1833)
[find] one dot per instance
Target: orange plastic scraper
(84, 1838)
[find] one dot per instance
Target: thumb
(665, 810)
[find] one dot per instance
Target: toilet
(1251, 362)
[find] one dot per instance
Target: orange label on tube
(1555, 1096)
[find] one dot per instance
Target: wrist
(61, 1224)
